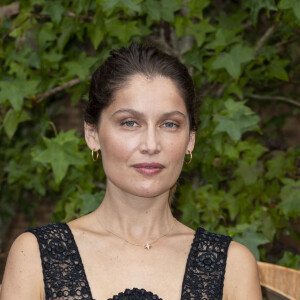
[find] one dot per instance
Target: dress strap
(205, 269)
(63, 271)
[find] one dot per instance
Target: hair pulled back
(124, 63)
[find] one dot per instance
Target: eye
(170, 125)
(129, 124)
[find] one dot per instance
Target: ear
(191, 143)
(91, 137)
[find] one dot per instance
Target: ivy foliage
(244, 58)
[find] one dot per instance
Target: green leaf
(194, 58)
(152, 8)
(168, 9)
(110, 5)
(233, 206)
(12, 120)
(69, 26)
(96, 34)
(186, 193)
(290, 260)
(286, 4)
(276, 166)
(123, 31)
(12, 93)
(180, 25)
(54, 9)
(235, 120)
(235, 89)
(200, 30)
(61, 152)
(257, 5)
(233, 60)
(190, 213)
(131, 5)
(231, 151)
(80, 67)
(91, 201)
(52, 59)
(15, 91)
(33, 60)
(251, 239)
(207, 191)
(196, 7)
(46, 34)
(249, 172)
(252, 151)
(276, 69)
(223, 38)
(290, 198)
(296, 9)
(234, 22)
(293, 4)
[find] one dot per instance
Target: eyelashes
(171, 125)
(129, 124)
(132, 124)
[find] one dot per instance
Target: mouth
(148, 168)
(149, 165)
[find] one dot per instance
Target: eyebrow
(140, 114)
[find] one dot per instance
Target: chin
(149, 192)
(144, 188)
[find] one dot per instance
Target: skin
(133, 129)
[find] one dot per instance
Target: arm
(241, 277)
(23, 278)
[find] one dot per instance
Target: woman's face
(143, 136)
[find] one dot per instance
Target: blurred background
(244, 56)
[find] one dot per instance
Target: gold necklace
(147, 245)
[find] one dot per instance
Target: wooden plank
(284, 282)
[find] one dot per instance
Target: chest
(114, 267)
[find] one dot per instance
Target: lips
(148, 168)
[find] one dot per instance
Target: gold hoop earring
(189, 161)
(97, 157)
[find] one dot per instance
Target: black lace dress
(65, 278)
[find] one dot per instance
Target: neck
(135, 218)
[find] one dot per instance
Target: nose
(150, 142)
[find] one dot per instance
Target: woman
(141, 117)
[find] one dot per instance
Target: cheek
(116, 148)
(176, 150)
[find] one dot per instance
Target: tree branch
(264, 38)
(284, 99)
(285, 42)
(59, 88)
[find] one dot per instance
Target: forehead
(146, 94)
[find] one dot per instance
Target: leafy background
(244, 56)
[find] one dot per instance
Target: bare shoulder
(238, 253)
(23, 273)
(241, 277)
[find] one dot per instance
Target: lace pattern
(205, 269)
(135, 294)
(65, 278)
(64, 275)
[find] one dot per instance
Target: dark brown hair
(123, 63)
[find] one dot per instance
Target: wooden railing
(279, 283)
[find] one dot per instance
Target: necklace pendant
(147, 246)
